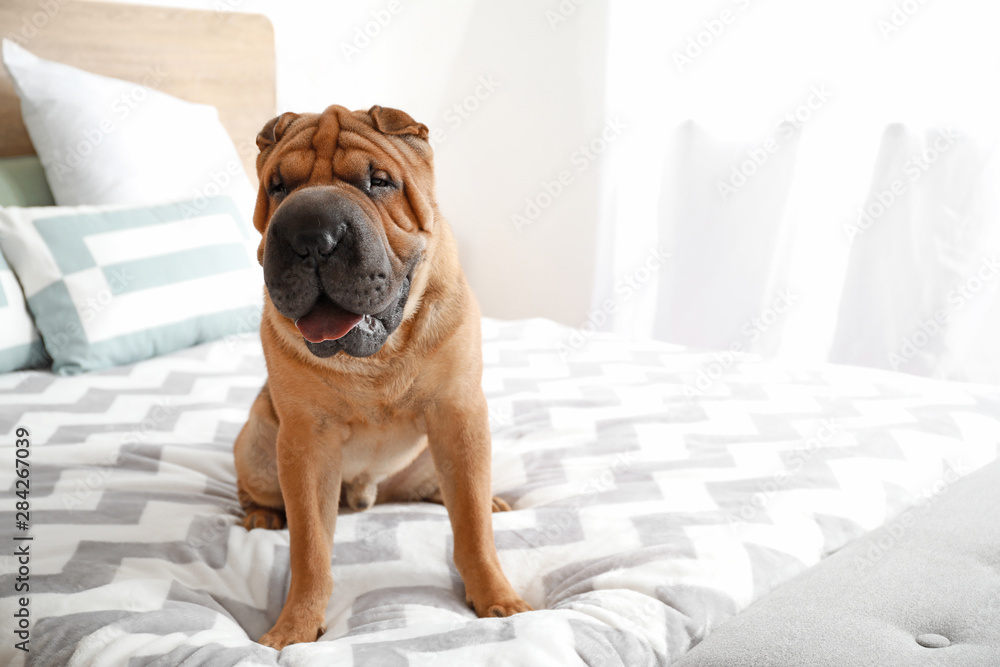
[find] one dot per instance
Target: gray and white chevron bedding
(657, 491)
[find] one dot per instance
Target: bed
(643, 518)
(657, 491)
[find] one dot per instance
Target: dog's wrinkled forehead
(339, 145)
(331, 139)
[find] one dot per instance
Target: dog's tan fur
(408, 423)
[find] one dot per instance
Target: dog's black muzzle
(327, 267)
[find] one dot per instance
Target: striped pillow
(115, 285)
(20, 344)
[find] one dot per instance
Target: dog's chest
(379, 450)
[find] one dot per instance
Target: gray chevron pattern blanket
(656, 492)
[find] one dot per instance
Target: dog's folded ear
(274, 129)
(394, 121)
(271, 134)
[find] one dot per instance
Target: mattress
(656, 491)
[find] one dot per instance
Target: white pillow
(107, 141)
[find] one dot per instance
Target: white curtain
(923, 274)
(823, 177)
(696, 172)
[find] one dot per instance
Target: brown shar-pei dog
(372, 341)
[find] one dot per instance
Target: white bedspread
(657, 491)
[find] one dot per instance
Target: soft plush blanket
(656, 492)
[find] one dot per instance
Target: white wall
(542, 99)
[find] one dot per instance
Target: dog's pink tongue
(326, 321)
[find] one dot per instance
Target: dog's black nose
(314, 241)
(311, 223)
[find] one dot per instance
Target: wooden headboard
(222, 58)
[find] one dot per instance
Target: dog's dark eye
(379, 179)
(277, 190)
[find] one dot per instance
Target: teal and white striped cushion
(20, 344)
(115, 285)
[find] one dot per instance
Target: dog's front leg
(309, 473)
(459, 438)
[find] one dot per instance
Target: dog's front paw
(293, 630)
(500, 608)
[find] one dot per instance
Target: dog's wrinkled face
(345, 210)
